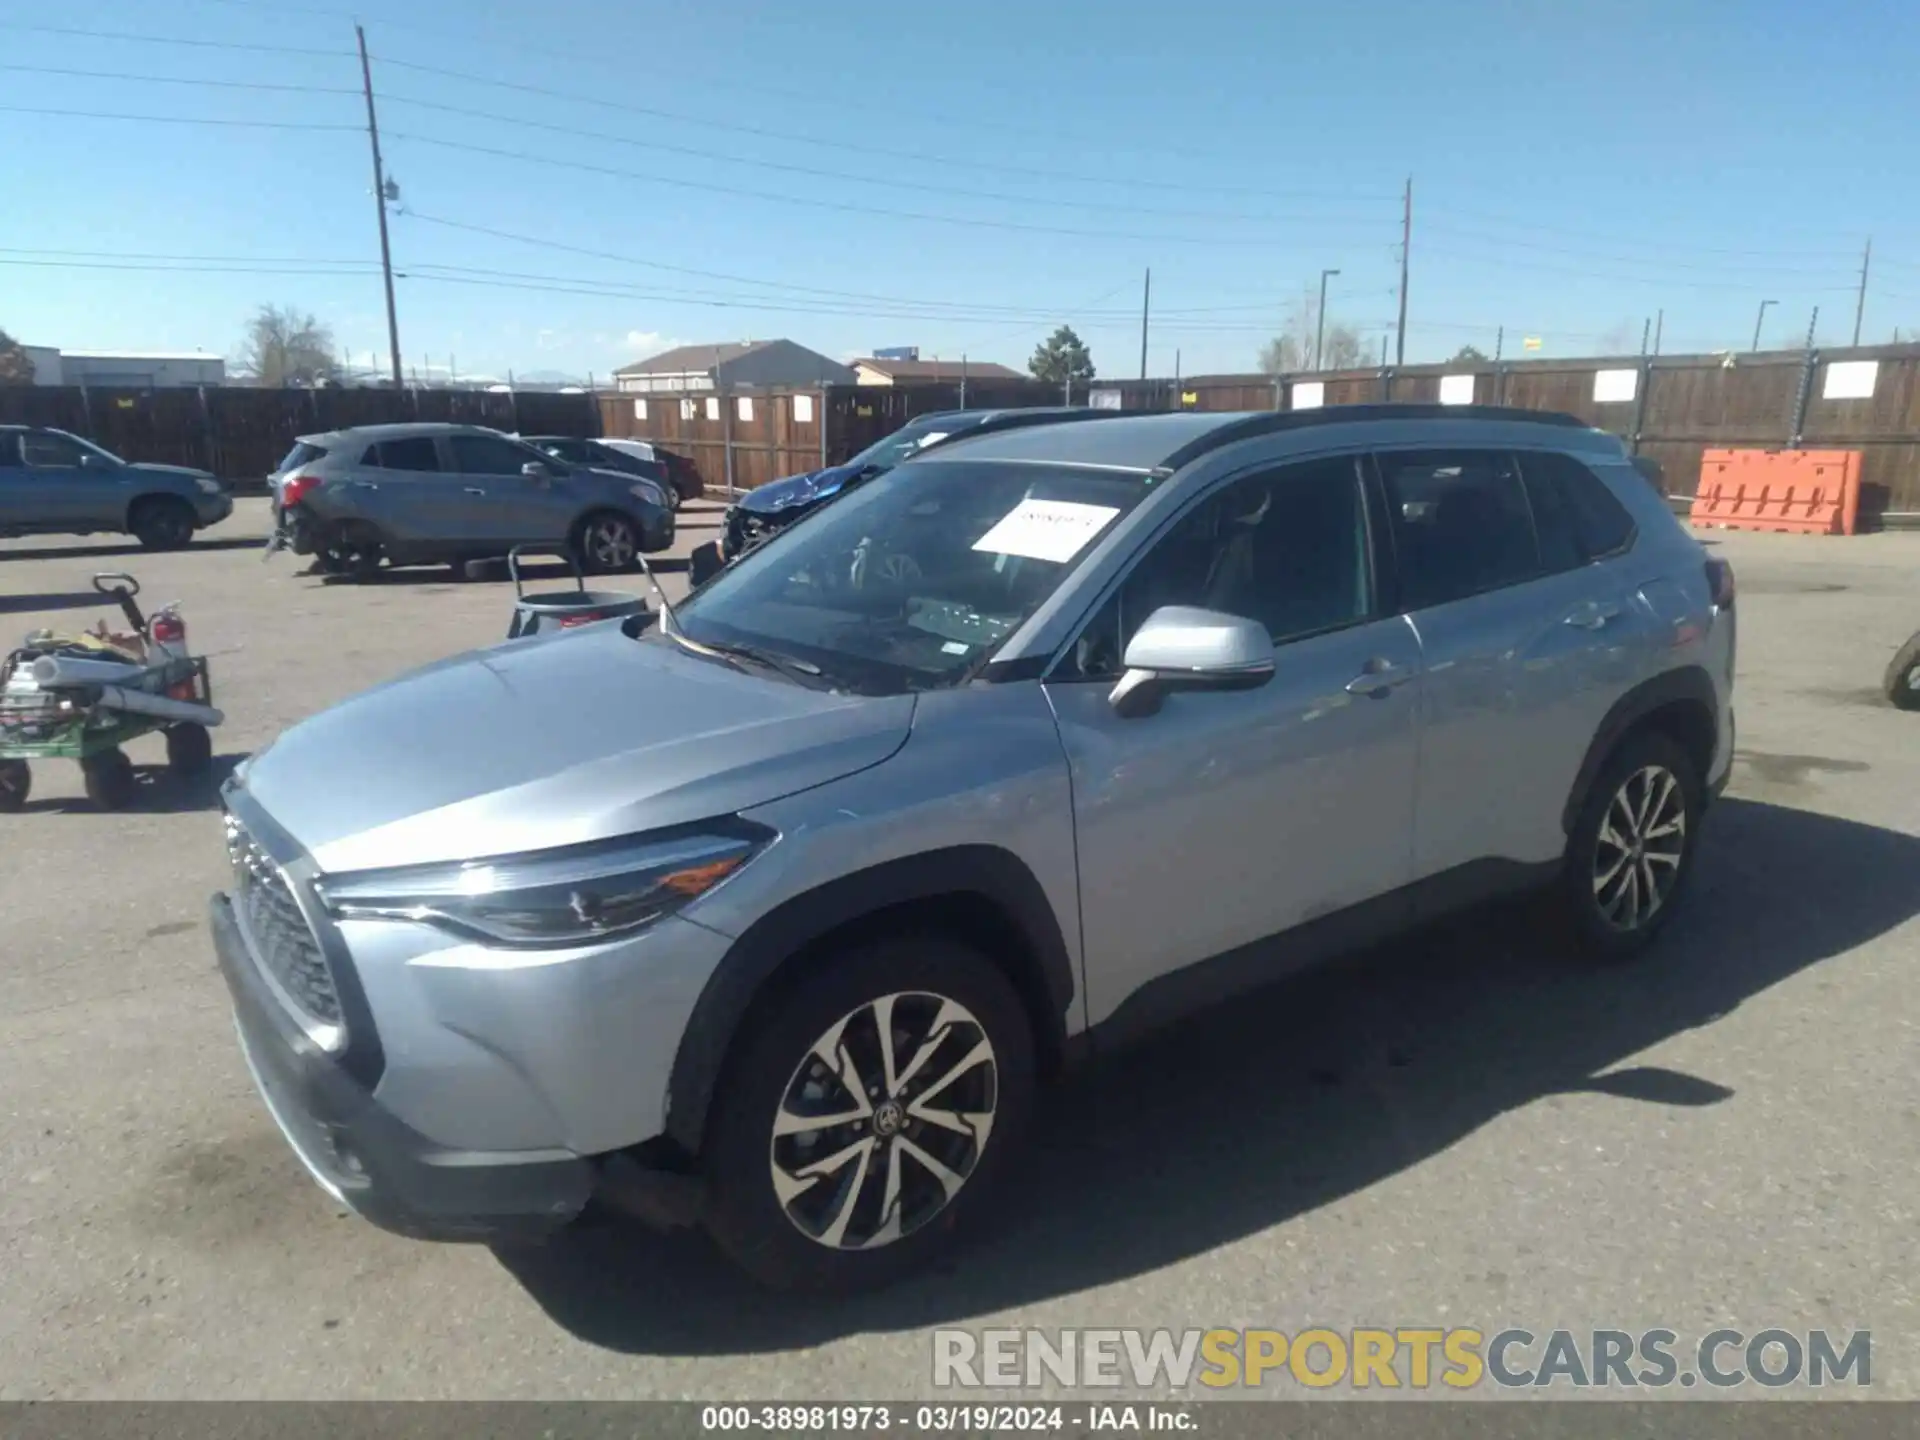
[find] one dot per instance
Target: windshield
(911, 582)
(915, 436)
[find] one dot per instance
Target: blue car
(771, 508)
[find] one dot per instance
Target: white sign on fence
(1104, 399)
(1309, 394)
(803, 409)
(1456, 389)
(639, 409)
(1851, 380)
(743, 407)
(713, 407)
(1613, 386)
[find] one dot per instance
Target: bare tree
(1618, 340)
(16, 366)
(1469, 355)
(1291, 351)
(287, 347)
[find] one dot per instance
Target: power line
(182, 80)
(1586, 233)
(1720, 266)
(175, 40)
(918, 157)
(815, 172)
(808, 202)
(1591, 274)
(175, 119)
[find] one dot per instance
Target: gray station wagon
(53, 483)
(1036, 741)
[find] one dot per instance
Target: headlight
(208, 485)
(649, 491)
(574, 896)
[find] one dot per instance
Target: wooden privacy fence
(1668, 408)
(241, 433)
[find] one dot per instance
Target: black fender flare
(973, 870)
(1690, 684)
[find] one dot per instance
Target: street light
(1320, 320)
(1760, 320)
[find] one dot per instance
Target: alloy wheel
(610, 543)
(1642, 840)
(884, 1120)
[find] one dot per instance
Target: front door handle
(1378, 679)
(474, 490)
(1593, 616)
(366, 484)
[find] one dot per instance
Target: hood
(559, 740)
(184, 471)
(797, 489)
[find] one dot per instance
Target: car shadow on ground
(547, 576)
(94, 551)
(72, 600)
(159, 792)
(1299, 1096)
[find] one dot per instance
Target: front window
(908, 440)
(57, 450)
(912, 582)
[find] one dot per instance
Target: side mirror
(535, 471)
(1183, 648)
(704, 563)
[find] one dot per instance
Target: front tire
(1903, 676)
(162, 523)
(189, 749)
(16, 783)
(867, 1115)
(1632, 847)
(608, 543)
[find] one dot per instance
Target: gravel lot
(1458, 1130)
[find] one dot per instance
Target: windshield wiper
(742, 657)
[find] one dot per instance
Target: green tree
(1469, 355)
(1064, 357)
(16, 366)
(286, 347)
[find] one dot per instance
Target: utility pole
(1406, 244)
(963, 381)
(1659, 325)
(1860, 305)
(1646, 331)
(380, 200)
(1146, 303)
(1320, 322)
(1499, 343)
(1760, 320)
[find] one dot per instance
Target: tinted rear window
(302, 454)
(1570, 497)
(414, 453)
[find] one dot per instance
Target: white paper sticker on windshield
(1046, 529)
(926, 440)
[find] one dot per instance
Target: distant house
(879, 370)
(737, 365)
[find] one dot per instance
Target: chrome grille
(285, 943)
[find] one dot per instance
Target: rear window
(417, 452)
(303, 454)
(1578, 517)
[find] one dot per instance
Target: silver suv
(1038, 740)
(438, 493)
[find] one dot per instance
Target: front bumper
(213, 509)
(657, 531)
(366, 1157)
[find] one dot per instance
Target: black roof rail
(1268, 422)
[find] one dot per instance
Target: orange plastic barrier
(1800, 492)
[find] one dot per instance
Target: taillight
(567, 622)
(1720, 582)
(295, 489)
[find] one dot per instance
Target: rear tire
(784, 1206)
(1903, 676)
(16, 783)
(1632, 848)
(189, 749)
(351, 551)
(162, 522)
(109, 779)
(607, 543)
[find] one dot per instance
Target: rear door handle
(1379, 678)
(366, 484)
(474, 490)
(1593, 616)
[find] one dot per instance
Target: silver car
(436, 493)
(53, 483)
(772, 916)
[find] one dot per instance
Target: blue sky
(957, 178)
